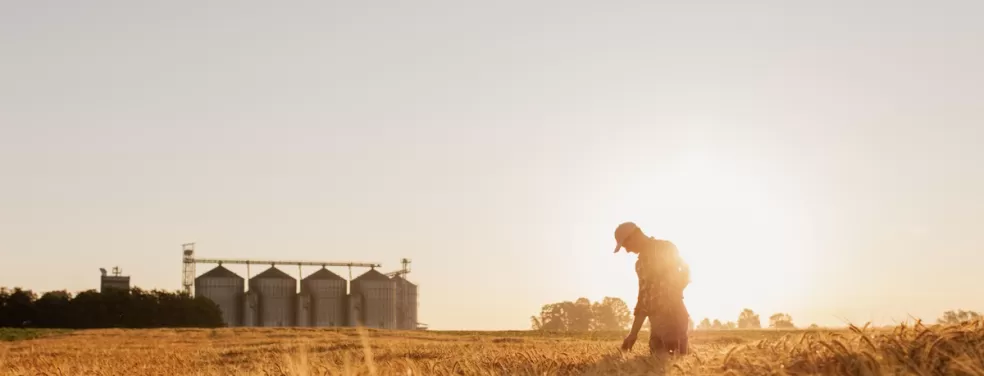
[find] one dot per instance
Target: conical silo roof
(372, 275)
(273, 272)
(402, 281)
(324, 274)
(219, 272)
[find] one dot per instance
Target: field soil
(297, 351)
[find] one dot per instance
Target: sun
(739, 234)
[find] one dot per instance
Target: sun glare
(740, 241)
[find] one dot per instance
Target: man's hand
(636, 326)
(629, 342)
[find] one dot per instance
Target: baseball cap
(623, 232)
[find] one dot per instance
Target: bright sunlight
(733, 227)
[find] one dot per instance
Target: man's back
(661, 265)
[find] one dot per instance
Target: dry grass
(915, 350)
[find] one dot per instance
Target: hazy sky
(822, 159)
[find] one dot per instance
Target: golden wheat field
(916, 350)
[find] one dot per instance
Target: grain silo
(406, 304)
(225, 288)
(327, 291)
(277, 292)
(378, 299)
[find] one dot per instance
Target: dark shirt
(663, 275)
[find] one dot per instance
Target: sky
(821, 159)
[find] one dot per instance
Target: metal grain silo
(327, 291)
(406, 304)
(276, 291)
(225, 288)
(378, 298)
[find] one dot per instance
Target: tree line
(612, 314)
(582, 315)
(112, 308)
(748, 319)
(958, 317)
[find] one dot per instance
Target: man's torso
(661, 288)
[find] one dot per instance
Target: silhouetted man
(662, 277)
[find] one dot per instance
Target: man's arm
(637, 324)
(640, 318)
(642, 304)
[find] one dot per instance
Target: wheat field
(913, 349)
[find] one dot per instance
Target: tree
(579, 315)
(814, 326)
(958, 317)
(731, 325)
(110, 309)
(705, 324)
(54, 310)
(552, 318)
(781, 321)
(89, 310)
(747, 319)
(611, 314)
(717, 325)
(4, 300)
(19, 309)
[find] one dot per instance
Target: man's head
(629, 236)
